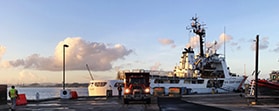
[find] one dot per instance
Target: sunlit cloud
(79, 53)
(195, 42)
(25, 76)
(165, 41)
(156, 66)
(225, 38)
(2, 51)
(217, 44)
(3, 64)
(122, 66)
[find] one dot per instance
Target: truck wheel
(148, 101)
(126, 101)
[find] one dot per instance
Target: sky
(112, 35)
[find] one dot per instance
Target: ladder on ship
(252, 88)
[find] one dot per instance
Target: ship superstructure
(205, 72)
(205, 65)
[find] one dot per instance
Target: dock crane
(89, 72)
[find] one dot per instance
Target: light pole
(256, 69)
(64, 46)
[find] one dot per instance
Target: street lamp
(256, 69)
(65, 45)
(64, 93)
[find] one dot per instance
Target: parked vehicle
(136, 87)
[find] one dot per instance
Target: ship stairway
(252, 88)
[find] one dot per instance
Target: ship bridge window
(215, 83)
(100, 84)
(119, 84)
(174, 81)
(194, 82)
(158, 81)
(200, 81)
(187, 81)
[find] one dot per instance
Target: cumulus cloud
(277, 48)
(120, 67)
(2, 51)
(238, 43)
(224, 38)
(263, 44)
(165, 41)
(3, 64)
(27, 76)
(194, 42)
(156, 66)
(79, 53)
(234, 44)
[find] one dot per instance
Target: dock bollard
(74, 94)
(21, 100)
(65, 94)
(37, 96)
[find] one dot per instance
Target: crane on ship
(89, 72)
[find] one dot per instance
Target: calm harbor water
(47, 92)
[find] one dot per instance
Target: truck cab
(136, 87)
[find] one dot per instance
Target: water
(47, 92)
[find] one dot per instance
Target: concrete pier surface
(212, 102)
(234, 102)
(87, 104)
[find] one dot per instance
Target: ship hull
(267, 88)
(104, 87)
(199, 85)
(180, 87)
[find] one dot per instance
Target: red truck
(136, 87)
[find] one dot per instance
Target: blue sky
(127, 34)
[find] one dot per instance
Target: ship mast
(199, 30)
